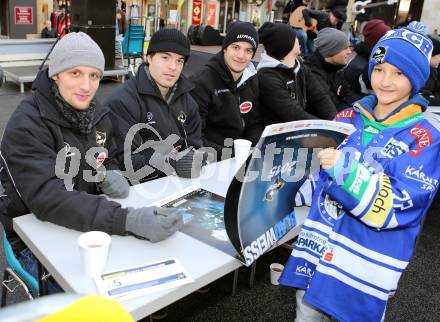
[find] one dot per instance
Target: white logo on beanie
(415, 38)
(241, 36)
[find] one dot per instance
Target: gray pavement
(417, 299)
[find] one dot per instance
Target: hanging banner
(24, 15)
(212, 8)
(197, 12)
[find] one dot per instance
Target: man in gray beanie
(331, 55)
(59, 154)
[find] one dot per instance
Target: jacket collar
(147, 87)
(47, 105)
(414, 105)
(267, 61)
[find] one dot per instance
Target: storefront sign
(197, 12)
(24, 15)
(212, 8)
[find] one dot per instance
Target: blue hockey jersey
(366, 211)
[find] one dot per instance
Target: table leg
(252, 276)
(22, 88)
(234, 282)
(42, 283)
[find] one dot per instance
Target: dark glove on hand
(153, 223)
(114, 184)
(320, 16)
(188, 163)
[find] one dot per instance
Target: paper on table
(139, 280)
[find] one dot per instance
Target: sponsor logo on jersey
(313, 241)
(423, 139)
(245, 107)
(371, 129)
(360, 181)
(382, 203)
(101, 137)
(304, 270)
(345, 114)
(329, 209)
(221, 91)
(417, 174)
(394, 148)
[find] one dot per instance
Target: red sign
(24, 15)
(197, 12)
(212, 8)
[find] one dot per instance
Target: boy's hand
(328, 157)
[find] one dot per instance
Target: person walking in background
(369, 201)
(327, 62)
(288, 91)
(226, 91)
(47, 31)
(356, 71)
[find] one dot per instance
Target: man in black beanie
(156, 121)
(288, 92)
(227, 92)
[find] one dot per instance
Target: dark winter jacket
(291, 94)
(331, 79)
(139, 101)
(431, 91)
(33, 137)
(227, 109)
(356, 71)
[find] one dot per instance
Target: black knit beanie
(241, 31)
(278, 39)
(171, 40)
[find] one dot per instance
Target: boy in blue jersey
(372, 193)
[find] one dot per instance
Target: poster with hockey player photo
(259, 206)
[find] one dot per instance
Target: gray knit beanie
(75, 49)
(331, 41)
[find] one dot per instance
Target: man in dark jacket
(356, 71)
(227, 92)
(57, 155)
(327, 63)
(155, 113)
(48, 31)
(431, 91)
(288, 92)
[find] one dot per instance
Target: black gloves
(114, 184)
(153, 223)
(320, 16)
(188, 163)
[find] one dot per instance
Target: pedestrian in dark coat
(288, 91)
(431, 91)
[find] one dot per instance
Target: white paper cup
(275, 273)
(242, 148)
(93, 248)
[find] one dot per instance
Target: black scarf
(81, 120)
